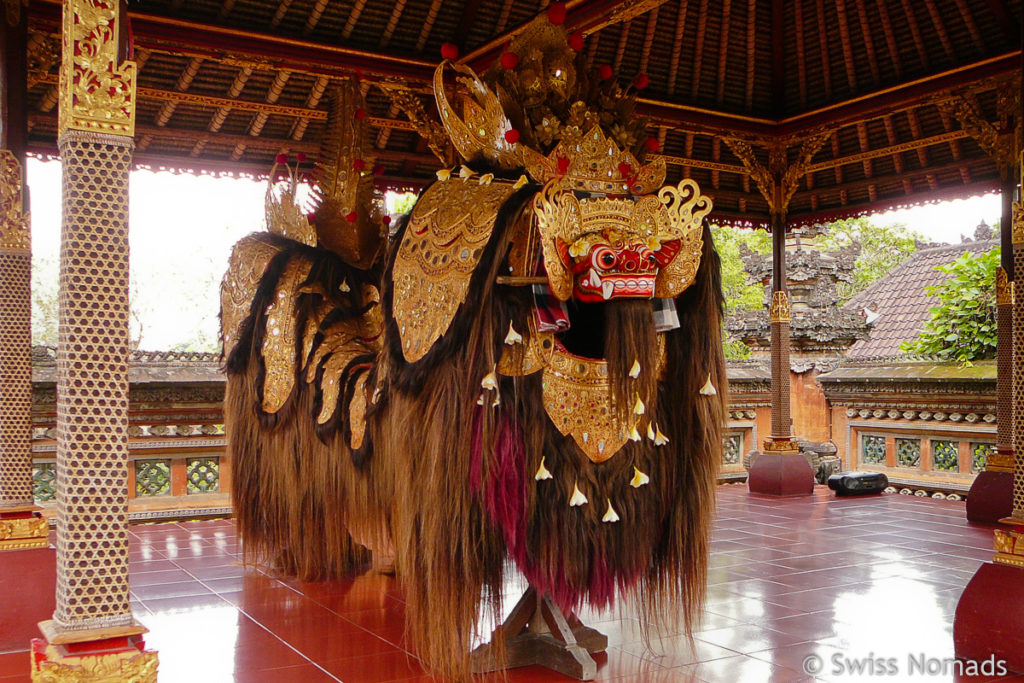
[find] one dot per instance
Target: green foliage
(740, 294)
(883, 247)
(963, 325)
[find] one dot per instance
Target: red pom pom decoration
(563, 165)
(378, 170)
(281, 158)
(641, 81)
(301, 157)
(576, 41)
(625, 170)
(359, 165)
(360, 114)
(386, 220)
(351, 218)
(605, 72)
(450, 51)
(512, 136)
(652, 144)
(509, 60)
(556, 13)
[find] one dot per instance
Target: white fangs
(594, 279)
(607, 287)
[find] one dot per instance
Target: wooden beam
(13, 83)
(778, 57)
(1006, 21)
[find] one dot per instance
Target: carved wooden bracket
(778, 181)
(1000, 140)
(430, 129)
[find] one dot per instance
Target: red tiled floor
(789, 579)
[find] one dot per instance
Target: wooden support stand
(537, 632)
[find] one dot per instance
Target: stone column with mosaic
(96, 128)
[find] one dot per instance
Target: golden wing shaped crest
(442, 245)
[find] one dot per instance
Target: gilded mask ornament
(601, 248)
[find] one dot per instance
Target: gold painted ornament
(447, 232)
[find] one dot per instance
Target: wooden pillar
(779, 317)
(95, 137)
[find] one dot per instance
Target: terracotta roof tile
(900, 299)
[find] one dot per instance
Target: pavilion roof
(225, 85)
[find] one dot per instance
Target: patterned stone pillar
(1018, 365)
(96, 129)
(1002, 460)
(15, 340)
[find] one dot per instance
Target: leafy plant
(740, 293)
(883, 247)
(963, 325)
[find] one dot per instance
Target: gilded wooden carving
(97, 91)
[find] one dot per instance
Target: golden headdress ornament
(540, 108)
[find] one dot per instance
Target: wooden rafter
(698, 52)
(312, 100)
(315, 12)
(847, 46)
(748, 100)
(620, 51)
(353, 17)
(972, 25)
(389, 30)
(428, 24)
(890, 38)
(280, 12)
(652, 25)
(826, 71)
(866, 34)
(677, 45)
(915, 33)
(801, 57)
(940, 28)
(1005, 19)
(723, 50)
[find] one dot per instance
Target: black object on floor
(857, 483)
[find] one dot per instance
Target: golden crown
(540, 108)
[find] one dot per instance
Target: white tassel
(513, 337)
(486, 179)
(639, 479)
(578, 498)
(634, 371)
(465, 172)
(659, 438)
(610, 515)
(444, 174)
(638, 407)
(650, 431)
(343, 287)
(542, 472)
(633, 434)
(708, 389)
(490, 381)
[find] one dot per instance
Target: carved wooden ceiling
(907, 101)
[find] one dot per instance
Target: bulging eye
(651, 259)
(605, 258)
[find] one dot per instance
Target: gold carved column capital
(14, 222)
(780, 311)
(97, 94)
(1004, 288)
(1009, 546)
(1018, 223)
